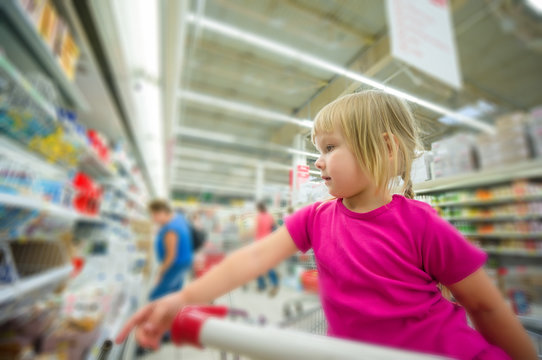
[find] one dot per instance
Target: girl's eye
(329, 148)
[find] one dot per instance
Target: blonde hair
(373, 123)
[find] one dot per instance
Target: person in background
(280, 220)
(173, 248)
(230, 233)
(264, 227)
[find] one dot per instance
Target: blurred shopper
(230, 234)
(280, 219)
(173, 248)
(380, 256)
(264, 226)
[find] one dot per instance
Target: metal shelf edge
(532, 168)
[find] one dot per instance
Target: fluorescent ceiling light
(242, 108)
(203, 134)
(227, 158)
(196, 165)
(230, 139)
(308, 59)
(241, 172)
(536, 5)
(200, 186)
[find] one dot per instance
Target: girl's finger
(135, 320)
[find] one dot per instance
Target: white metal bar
(247, 109)
(29, 284)
(527, 169)
(269, 343)
(36, 203)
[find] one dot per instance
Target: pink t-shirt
(264, 225)
(379, 271)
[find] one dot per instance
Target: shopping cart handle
(187, 324)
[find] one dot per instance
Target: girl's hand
(152, 321)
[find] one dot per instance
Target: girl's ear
(392, 144)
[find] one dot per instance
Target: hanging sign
(421, 35)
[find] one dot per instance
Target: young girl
(380, 256)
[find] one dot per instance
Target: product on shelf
(99, 144)
(23, 119)
(55, 33)
(535, 130)
(34, 256)
(508, 145)
(88, 194)
(453, 155)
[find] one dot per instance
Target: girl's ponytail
(409, 191)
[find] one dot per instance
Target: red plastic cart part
(187, 324)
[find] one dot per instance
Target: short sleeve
(446, 255)
(299, 226)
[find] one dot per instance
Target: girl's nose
(319, 164)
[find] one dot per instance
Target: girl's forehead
(320, 136)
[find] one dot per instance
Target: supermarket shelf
(522, 253)
(504, 235)
(11, 292)
(94, 166)
(19, 79)
(41, 51)
(500, 200)
(128, 195)
(493, 218)
(527, 169)
(27, 202)
(91, 219)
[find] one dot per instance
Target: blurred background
(105, 105)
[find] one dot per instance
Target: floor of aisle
(255, 303)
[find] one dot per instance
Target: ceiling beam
(187, 185)
(235, 140)
(271, 46)
(212, 156)
(242, 108)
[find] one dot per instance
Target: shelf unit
(495, 201)
(514, 253)
(527, 169)
(20, 21)
(504, 235)
(91, 164)
(20, 80)
(494, 218)
(12, 292)
(34, 203)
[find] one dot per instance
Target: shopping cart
(206, 326)
(306, 306)
(206, 260)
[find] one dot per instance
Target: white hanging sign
(421, 35)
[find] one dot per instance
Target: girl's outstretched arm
(245, 264)
(492, 316)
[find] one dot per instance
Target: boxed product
(535, 130)
(69, 54)
(510, 144)
(47, 23)
(453, 155)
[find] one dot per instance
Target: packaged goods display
(139, 158)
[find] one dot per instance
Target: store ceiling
(500, 63)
